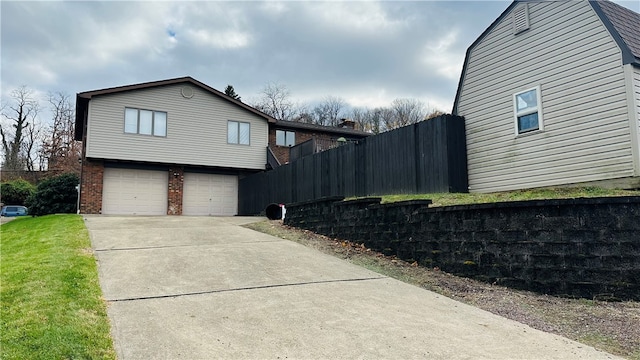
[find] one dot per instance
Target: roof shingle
(626, 23)
(320, 128)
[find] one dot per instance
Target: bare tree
(434, 114)
(18, 122)
(59, 148)
(359, 116)
(328, 111)
(276, 102)
(370, 120)
(406, 111)
(304, 117)
(385, 118)
(32, 137)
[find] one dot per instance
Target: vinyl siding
(570, 54)
(196, 130)
(636, 92)
(634, 110)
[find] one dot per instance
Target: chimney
(347, 123)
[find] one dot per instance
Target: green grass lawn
(445, 199)
(51, 305)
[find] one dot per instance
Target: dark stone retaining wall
(574, 247)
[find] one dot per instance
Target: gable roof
(282, 124)
(623, 25)
(83, 98)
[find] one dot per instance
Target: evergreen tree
(232, 93)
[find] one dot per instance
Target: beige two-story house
(172, 147)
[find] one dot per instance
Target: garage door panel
(134, 192)
(210, 194)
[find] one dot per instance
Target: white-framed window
(285, 138)
(238, 132)
(145, 122)
(527, 111)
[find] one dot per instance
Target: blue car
(13, 210)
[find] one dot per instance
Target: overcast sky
(366, 52)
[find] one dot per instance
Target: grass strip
(51, 305)
(447, 199)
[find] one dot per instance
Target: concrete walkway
(207, 288)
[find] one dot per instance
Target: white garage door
(210, 194)
(134, 192)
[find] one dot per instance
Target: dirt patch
(609, 326)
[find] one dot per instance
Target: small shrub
(56, 195)
(16, 192)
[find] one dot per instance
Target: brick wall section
(176, 186)
(91, 187)
(282, 152)
(575, 247)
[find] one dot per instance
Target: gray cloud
(366, 52)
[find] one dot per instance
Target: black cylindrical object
(273, 212)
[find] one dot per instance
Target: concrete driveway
(4, 219)
(207, 288)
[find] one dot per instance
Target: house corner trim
(634, 121)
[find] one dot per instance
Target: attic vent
(187, 92)
(520, 19)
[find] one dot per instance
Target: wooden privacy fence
(312, 146)
(426, 157)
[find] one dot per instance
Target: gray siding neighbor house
(550, 92)
(172, 147)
